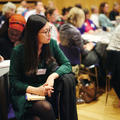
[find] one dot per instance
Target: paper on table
(5, 63)
(32, 97)
(102, 37)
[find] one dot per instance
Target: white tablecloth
(103, 37)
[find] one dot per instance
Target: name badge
(41, 72)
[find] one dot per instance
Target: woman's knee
(47, 106)
(42, 105)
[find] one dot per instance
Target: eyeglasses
(47, 31)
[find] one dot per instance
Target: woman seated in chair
(73, 45)
(104, 21)
(88, 26)
(34, 70)
(71, 42)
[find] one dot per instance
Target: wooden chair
(92, 71)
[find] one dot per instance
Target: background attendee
(22, 7)
(70, 43)
(50, 4)
(115, 11)
(29, 8)
(59, 21)
(76, 17)
(39, 67)
(91, 53)
(88, 25)
(73, 47)
(8, 10)
(39, 9)
(70, 39)
(13, 36)
(65, 12)
(104, 21)
(52, 16)
(94, 15)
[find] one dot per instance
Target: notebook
(5, 63)
(32, 97)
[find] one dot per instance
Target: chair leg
(107, 87)
(96, 76)
(106, 91)
(58, 106)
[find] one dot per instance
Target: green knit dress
(19, 81)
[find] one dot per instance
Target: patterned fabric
(87, 26)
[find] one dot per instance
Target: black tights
(41, 110)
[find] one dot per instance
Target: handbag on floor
(87, 88)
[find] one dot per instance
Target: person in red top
(88, 25)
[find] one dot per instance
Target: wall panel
(85, 3)
(65, 3)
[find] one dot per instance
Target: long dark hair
(32, 59)
(101, 8)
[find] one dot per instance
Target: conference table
(4, 70)
(102, 36)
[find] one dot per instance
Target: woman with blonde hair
(71, 42)
(76, 17)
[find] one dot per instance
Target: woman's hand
(51, 78)
(44, 90)
(89, 46)
(1, 58)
